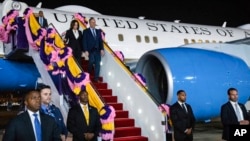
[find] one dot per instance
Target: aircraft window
(193, 41)
(146, 39)
(155, 40)
(138, 38)
(214, 41)
(207, 41)
(220, 42)
(186, 41)
(120, 37)
(200, 41)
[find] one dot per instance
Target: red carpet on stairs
(125, 129)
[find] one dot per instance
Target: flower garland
(120, 55)
(165, 109)
(140, 78)
(103, 36)
(56, 56)
(9, 24)
(107, 115)
(81, 18)
(33, 30)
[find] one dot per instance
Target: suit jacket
(229, 117)
(45, 22)
(77, 124)
(57, 115)
(75, 43)
(181, 121)
(20, 129)
(91, 43)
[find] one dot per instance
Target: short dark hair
(91, 18)
(231, 89)
(26, 95)
(83, 91)
(43, 86)
(180, 91)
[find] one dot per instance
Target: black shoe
(97, 81)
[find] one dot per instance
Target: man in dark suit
(182, 117)
(93, 47)
(42, 20)
(233, 113)
(23, 126)
(84, 124)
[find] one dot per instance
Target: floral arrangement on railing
(107, 115)
(120, 55)
(82, 19)
(103, 35)
(35, 34)
(56, 56)
(165, 109)
(9, 24)
(140, 78)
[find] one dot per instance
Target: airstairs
(139, 112)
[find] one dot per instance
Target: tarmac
(211, 131)
(208, 131)
(203, 132)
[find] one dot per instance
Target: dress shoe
(97, 81)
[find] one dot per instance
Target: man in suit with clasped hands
(182, 117)
(84, 120)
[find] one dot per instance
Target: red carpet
(125, 129)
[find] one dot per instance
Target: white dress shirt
(33, 119)
(76, 33)
(241, 113)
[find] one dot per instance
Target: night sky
(206, 12)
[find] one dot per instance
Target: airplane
(201, 59)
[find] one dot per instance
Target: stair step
(117, 106)
(127, 131)
(131, 138)
(84, 62)
(124, 122)
(121, 114)
(109, 99)
(104, 92)
(92, 79)
(101, 85)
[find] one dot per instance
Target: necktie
(41, 21)
(183, 107)
(86, 113)
(38, 128)
(93, 31)
(238, 112)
